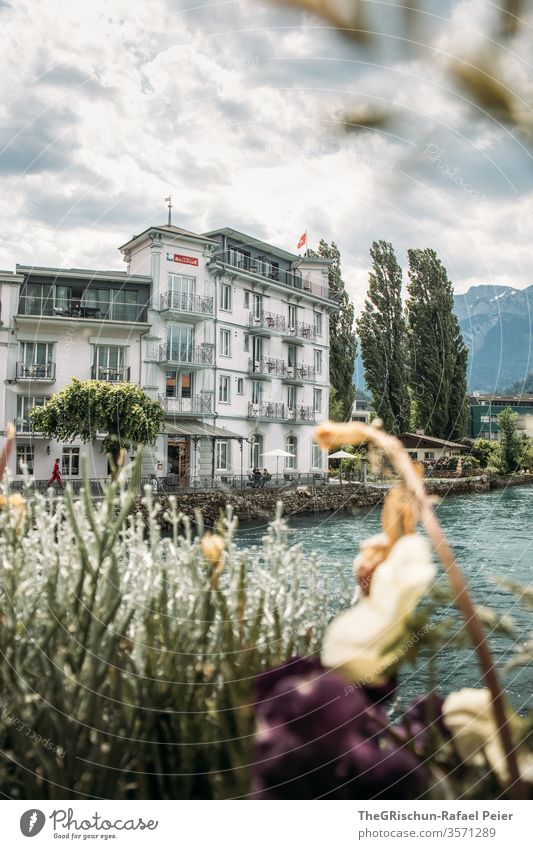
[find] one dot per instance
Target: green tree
(336, 406)
(84, 409)
(342, 339)
(437, 352)
(511, 443)
(383, 338)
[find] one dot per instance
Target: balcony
(42, 373)
(110, 375)
(76, 308)
(192, 306)
(269, 410)
(274, 411)
(198, 405)
(23, 428)
(299, 374)
(266, 323)
(191, 355)
(255, 267)
(266, 367)
(300, 332)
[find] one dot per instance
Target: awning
(192, 427)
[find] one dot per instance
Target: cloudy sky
(234, 107)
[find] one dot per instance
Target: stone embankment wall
(261, 504)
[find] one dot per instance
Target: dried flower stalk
(330, 435)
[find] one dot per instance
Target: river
(491, 534)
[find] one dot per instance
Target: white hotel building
(229, 333)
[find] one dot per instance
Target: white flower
(368, 638)
(469, 717)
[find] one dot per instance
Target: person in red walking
(55, 475)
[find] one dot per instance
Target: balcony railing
(76, 308)
(267, 366)
(301, 330)
(275, 410)
(36, 371)
(300, 372)
(268, 321)
(23, 426)
(182, 302)
(277, 275)
(111, 375)
(198, 404)
(201, 355)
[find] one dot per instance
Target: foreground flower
(318, 738)
(16, 506)
(468, 716)
(362, 643)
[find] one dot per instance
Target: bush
(128, 653)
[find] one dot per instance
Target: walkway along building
(228, 333)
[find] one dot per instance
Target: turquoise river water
(492, 534)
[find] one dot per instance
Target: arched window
(291, 445)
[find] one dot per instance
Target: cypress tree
(342, 338)
(382, 335)
(438, 355)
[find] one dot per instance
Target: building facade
(485, 409)
(228, 333)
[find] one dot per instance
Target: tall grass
(126, 671)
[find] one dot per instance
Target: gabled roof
(172, 230)
(422, 439)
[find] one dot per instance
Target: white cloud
(232, 107)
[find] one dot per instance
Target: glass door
(181, 342)
(183, 290)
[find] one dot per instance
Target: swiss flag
(302, 241)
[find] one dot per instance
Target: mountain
(497, 325)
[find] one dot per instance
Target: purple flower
(423, 714)
(317, 737)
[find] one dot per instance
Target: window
(37, 299)
(318, 361)
(182, 284)
(240, 386)
(222, 455)
(36, 359)
(256, 452)
(225, 297)
(317, 400)
(239, 258)
(108, 363)
(316, 456)
(291, 397)
(257, 307)
(318, 323)
(25, 457)
(257, 391)
(224, 389)
(247, 300)
(291, 355)
(429, 455)
(225, 343)
(292, 316)
(25, 403)
(291, 445)
(70, 461)
(246, 343)
(178, 385)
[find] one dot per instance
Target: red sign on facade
(185, 260)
